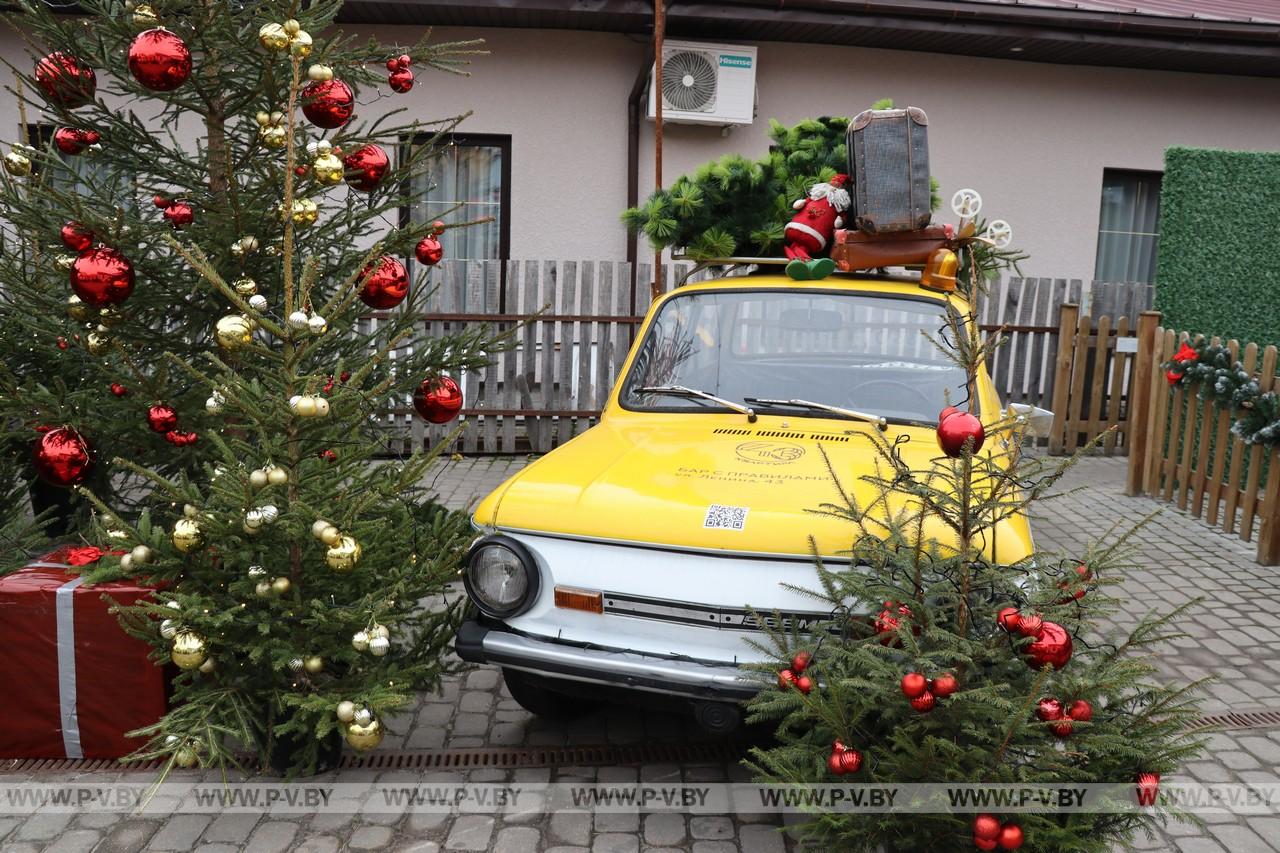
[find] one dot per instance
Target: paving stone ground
(1233, 634)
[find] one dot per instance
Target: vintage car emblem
(769, 452)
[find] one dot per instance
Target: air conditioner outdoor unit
(706, 84)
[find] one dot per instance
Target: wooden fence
(1188, 454)
(578, 328)
(1093, 381)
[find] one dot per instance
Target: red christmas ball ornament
(76, 237)
(161, 418)
(159, 60)
(62, 342)
(400, 80)
(63, 457)
(160, 201)
(984, 843)
(72, 140)
(986, 827)
(102, 277)
(328, 103)
(947, 412)
(429, 251)
(1010, 837)
(850, 760)
(1009, 618)
(786, 679)
(300, 171)
(1052, 647)
(344, 376)
(914, 684)
(1049, 709)
(957, 429)
(179, 214)
(438, 399)
(118, 389)
(1148, 788)
(386, 283)
(800, 662)
(365, 167)
(66, 80)
(924, 702)
(834, 763)
(328, 456)
(1080, 711)
(181, 438)
(804, 684)
(944, 685)
(1062, 728)
(888, 620)
(1029, 624)
(1172, 377)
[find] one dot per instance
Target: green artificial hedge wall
(1218, 271)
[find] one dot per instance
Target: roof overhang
(999, 30)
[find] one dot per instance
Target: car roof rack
(910, 275)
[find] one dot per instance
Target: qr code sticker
(725, 517)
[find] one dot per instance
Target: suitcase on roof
(889, 162)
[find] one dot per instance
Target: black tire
(546, 697)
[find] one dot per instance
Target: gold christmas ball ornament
(366, 737)
(263, 589)
(253, 519)
(189, 650)
(300, 44)
(144, 17)
(97, 343)
(304, 212)
(66, 262)
(360, 641)
(245, 286)
(233, 332)
(304, 406)
(110, 316)
(126, 563)
(382, 631)
(328, 170)
(273, 136)
(319, 73)
(277, 476)
(76, 309)
(322, 407)
(185, 757)
(343, 556)
(142, 554)
(346, 711)
(292, 27)
(258, 478)
(186, 535)
(17, 164)
(281, 585)
(363, 717)
(273, 37)
(190, 510)
(330, 535)
(318, 526)
(313, 664)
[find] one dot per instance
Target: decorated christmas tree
(970, 668)
(211, 342)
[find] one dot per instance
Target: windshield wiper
(881, 423)
(681, 391)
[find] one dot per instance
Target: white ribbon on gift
(64, 621)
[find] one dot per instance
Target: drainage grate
(54, 765)
(1238, 720)
(473, 758)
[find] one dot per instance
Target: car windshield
(857, 351)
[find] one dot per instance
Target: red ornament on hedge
(957, 428)
(328, 103)
(66, 80)
(63, 457)
(386, 283)
(1186, 353)
(72, 140)
(1052, 647)
(76, 237)
(438, 400)
(159, 60)
(365, 167)
(102, 277)
(429, 251)
(161, 418)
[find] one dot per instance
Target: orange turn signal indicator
(579, 599)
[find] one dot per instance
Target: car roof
(896, 285)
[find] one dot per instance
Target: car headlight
(501, 576)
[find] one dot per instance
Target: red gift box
(75, 682)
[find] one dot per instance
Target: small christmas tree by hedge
(969, 669)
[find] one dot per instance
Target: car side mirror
(1039, 421)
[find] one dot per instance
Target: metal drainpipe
(635, 108)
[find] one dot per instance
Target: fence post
(1068, 320)
(1269, 535)
(1140, 401)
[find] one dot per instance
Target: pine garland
(1225, 381)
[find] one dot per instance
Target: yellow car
(629, 560)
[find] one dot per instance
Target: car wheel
(545, 697)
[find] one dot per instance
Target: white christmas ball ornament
(169, 629)
(295, 664)
(317, 324)
(258, 302)
(126, 563)
(269, 513)
(360, 641)
(379, 646)
(253, 518)
(362, 717)
(346, 711)
(277, 476)
(298, 320)
(213, 405)
(258, 478)
(318, 527)
(257, 573)
(322, 407)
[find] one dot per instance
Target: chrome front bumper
(478, 643)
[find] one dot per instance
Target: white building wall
(1033, 138)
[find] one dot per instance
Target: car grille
(708, 616)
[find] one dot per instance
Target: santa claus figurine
(810, 231)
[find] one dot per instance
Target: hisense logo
(735, 61)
